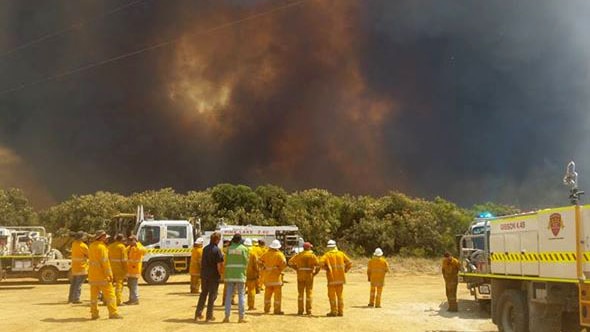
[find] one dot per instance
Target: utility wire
(151, 47)
(72, 27)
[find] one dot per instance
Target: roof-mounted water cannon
(571, 179)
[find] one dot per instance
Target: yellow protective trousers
(108, 294)
(195, 284)
(375, 299)
(251, 290)
(336, 301)
(118, 286)
(451, 290)
(268, 293)
(304, 289)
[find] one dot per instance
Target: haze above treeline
(469, 101)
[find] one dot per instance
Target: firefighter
(258, 251)
(251, 274)
(376, 271)
(100, 276)
(273, 262)
(118, 259)
(307, 265)
(226, 244)
(336, 264)
(262, 249)
(450, 271)
(79, 267)
(195, 267)
(236, 266)
(134, 256)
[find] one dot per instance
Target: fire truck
(169, 242)
(533, 266)
(291, 242)
(25, 252)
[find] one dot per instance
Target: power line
(151, 47)
(72, 27)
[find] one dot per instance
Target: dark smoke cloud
(467, 100)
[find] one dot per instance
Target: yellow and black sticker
(541, 257)
(169, 251)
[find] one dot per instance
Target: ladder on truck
(571, 179)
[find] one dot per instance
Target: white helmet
(331, 244)
(199, 241)
(248, 242)
(275, 244)
(378, 252)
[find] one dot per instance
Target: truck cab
(165, 234)
(474, 257)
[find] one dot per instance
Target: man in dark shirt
(211, 269)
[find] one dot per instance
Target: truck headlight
(484, 289)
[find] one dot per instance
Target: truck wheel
(157, 273)
(48, 275)
(512, 310)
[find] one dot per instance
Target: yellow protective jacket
(273, 262)
(306, 263)
(134, 258)
(196, 256)
(450, 269)
(99, 267)
(376, 270)
(79, 258)
(118, 259)
(252, 269)
(256, 250)
(336, 264)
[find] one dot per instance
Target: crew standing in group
(307, 265)
(211, 269)
(336, 264)
(376, 270)
(251, 274)
(450, 271)
(118, 260)
(100, 276)
(79, 267)
(135, 256)
(236, 263)
(195, 267)
(273, 262)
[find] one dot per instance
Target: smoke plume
(468, 101)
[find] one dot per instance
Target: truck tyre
(48, 275)
(157, 273)
(512, 312)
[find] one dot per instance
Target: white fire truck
(291, 242)
(169, 242)
(25, 252)
(533, 266)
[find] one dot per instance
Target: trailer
(26, 252)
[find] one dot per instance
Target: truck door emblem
(555, 223)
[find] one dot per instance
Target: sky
(467, 100)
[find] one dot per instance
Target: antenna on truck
(571, 179)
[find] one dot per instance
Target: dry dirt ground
(410, 303)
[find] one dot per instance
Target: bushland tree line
(399, 224)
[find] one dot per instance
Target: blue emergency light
(486, 215)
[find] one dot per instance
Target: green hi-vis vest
(236, 262)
